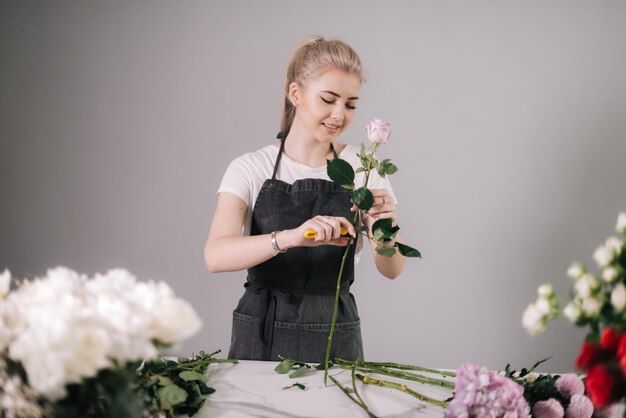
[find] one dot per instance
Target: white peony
(572, 312)
(533, 320)
(603, 256)
(5, 283)
(618, 297)
(610, 274)
(545, 290)
(621, 223)
(576, 270)
(175, 321)
(592, 306)
(586, 285)
(64, 327)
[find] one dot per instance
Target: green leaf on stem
(363, 198)
(386, 167)
(190, 376)
(321, 366)
(407, 251)
(298, 385)
(284, 367)
(386, 251)
(360, 170)
(384, 230)
(341, 172)
(302, 371)
(171, 395)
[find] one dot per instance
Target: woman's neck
(303, 148)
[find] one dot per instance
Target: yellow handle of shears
(309, 233)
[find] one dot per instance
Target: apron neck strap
(282, 138)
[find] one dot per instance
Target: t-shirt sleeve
(237, 180)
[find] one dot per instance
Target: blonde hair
(312, 56)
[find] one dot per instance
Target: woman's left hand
(383, 208)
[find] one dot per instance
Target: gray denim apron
(288, 304)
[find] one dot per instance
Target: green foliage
(383, 230)
(386, 251)
(110, 394)
(300, 386)
(407, 251)
(386, 167)
(537, 389)
(341, 172)
(363, 198)
(297, 368)
(177, 388)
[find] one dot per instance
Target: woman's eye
(351, 107)
(327, 101)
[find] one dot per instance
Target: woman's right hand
(328, 229)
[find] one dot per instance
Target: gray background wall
(118, 119)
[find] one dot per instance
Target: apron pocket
(307, 342)
(245, 342)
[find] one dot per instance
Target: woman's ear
(295, 93)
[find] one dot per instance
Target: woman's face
(326, 105)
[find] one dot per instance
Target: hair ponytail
(313, 55)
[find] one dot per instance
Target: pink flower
(608, 411)
(378, 131)
(580, 406)
(569, 385)
(548, 409)
(479, 392)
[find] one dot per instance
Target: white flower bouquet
(72, 345)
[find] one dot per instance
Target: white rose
(618, 297)
(610, 274)
(543, 306)
(43, 365)
(586, 285)
(621, 223)
(533, 320)
(129, 348)
(531, 377)
(592, 306)
(175, 320)
(576, 270)
(572, 312)
(603, 256)
(5, 283)
(545, 290)
(89, 346)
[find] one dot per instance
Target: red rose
(601, 386)
(590, 354)
(621, 347)
(610, 339)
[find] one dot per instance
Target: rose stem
(401, 387)
(344, 390)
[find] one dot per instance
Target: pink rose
(378, 131)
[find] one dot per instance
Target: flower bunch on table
(597, 302)
(382, 231)
(71, 346)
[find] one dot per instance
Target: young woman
(278, 192)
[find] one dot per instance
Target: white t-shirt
(246, 174)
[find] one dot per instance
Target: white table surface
(254, 389)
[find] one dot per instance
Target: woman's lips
(331, 127)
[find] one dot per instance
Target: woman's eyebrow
(337, 95)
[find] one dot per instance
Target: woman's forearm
(390, 267)
(237, 253)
